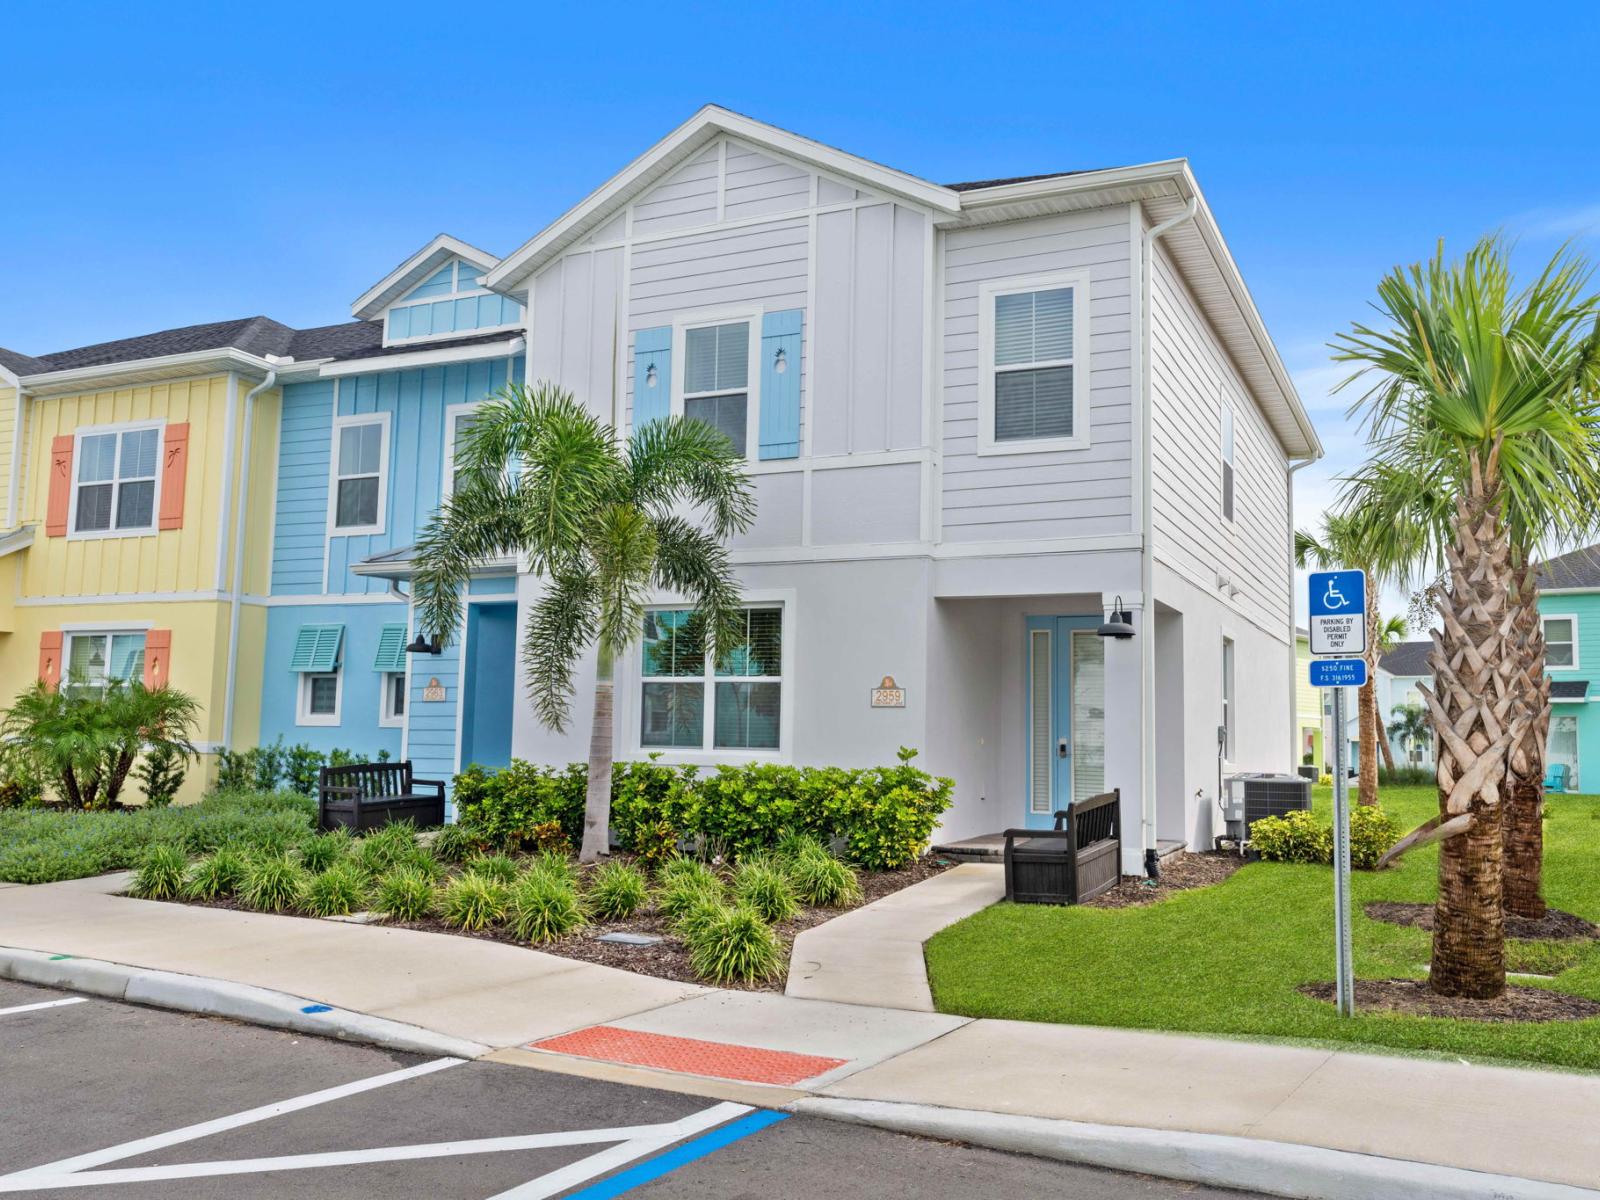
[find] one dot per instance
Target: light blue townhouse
(1569, 604)
(366, 447)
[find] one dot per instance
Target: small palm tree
(1409, 727)
(601, 524)
(1484, 430)
(84, 742)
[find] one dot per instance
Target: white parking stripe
(22, 1008)
(249, 1117)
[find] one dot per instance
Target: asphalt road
(112, 1100)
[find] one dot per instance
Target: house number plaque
(888, 694)
(434, 691)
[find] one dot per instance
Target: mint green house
(1569, 603)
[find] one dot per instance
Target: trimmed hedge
(1301, 837)
(885, 815)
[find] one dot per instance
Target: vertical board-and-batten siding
(1190, 373)
(1050, 494)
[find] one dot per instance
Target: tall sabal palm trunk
(1369, 728)
(1524, 814)
(1475, 714)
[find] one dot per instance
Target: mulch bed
(1412, 998)
(1555, 926)
(1179, 873)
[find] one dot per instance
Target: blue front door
(489, 687)
(1064, 711)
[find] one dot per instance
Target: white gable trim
(677, 147)
(414, 270)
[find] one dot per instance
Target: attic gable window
(452, 302)
(1033, 351)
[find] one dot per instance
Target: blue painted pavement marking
(681, 1155)
(316, 1008)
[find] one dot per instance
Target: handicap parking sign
(1338, 672)
(1338, 612)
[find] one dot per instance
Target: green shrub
(505, 808)
(385, 847)
(474, 902)
(160, 875)
(337, 892)
(456, 843)
(700, 912)
(736, 945)
(215, 876)
(888, 814)
(493, 866)
(558, 866)
(1296, 837)
(1372, 831)
(544, 908)
(617, 891)
(161, 773)
(821, 879)
(1406, 776)
(404, 894)
(322, 851)
(273, 883)
(762, 887)
(684, 882)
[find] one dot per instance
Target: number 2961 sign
(1338, 612)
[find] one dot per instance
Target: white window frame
(706, 752)
(341, 423)
(680, 364)
(988, 293)
(1544, 620)
(452, 413)
(456, 292)
(1230, 693)
(1227, 457)
(73, 532)
(387, 717)
(107, 631)
(303, 714)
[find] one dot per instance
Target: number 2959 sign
(1338, 612)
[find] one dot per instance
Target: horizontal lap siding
(1190, 372)
(757, 185)
(686, 198)
(1056, 493)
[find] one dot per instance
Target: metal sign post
(1339, 626)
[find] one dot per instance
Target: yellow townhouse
(136, 480)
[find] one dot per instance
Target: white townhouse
(977, 416)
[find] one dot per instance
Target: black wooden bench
(366, 795)
(1076, 861)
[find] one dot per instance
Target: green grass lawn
(1227, 959)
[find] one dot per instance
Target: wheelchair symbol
(1334, 599)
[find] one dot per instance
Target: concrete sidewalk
(1530, 1125)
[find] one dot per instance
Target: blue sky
(172, 164)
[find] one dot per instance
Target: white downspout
(1147, 568)
(243, 509)
(1294, 643)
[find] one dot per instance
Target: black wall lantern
(421, 645)
(1118, 622)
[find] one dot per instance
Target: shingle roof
(1569, 689)
(1579, 569)
(20, 364)
(1408, 658)
(376, 349)
(975, 184)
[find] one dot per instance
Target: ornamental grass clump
(617, 891)
(455, 843)
(500, 867)
(735, 946)
(160, 875)
(272, 883)
(703, 911)
(405, 894)
(544, 908)
(557, 866)
(761, 886)
(216, 876)
(473, 902)
(337, 892)
(322, 851)
(684, 888)
(384, 848)
(821, 879)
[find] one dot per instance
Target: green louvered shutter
(391, 649)
(316, 648)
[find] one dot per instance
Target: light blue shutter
(652, 348)
(316, 648)
(391, 649)
(780, 390)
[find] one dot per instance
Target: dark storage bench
(366, 795)
(1076, 861)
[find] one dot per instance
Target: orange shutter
(50, 656)
(157, 648)
(55, 513)
(174, 469)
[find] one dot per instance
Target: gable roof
(1408, 658)
(1575, 570)
(252, 335)
(414, 270)
(1165, 189)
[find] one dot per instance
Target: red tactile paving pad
(721, 1060)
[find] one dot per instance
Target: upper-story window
(450, 302)
(360, 460)
(114, 485)
(1561, 642)
(716, 380)
(458, 418)
(1227, 458)
(1033, 350)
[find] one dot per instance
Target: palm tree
(602, 524)
(1386, 634)
(1348, 541)
(1410, 725)
(1482, 421)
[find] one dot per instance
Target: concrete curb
(1254, 1164)
(219, 998)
